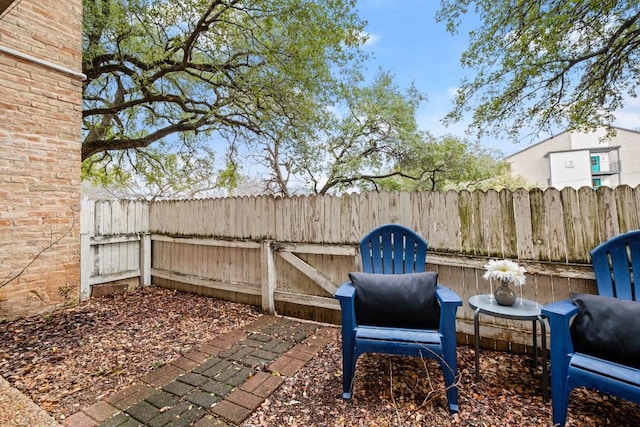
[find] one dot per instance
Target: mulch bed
(75, 357)
(78, 356)
(400, 391)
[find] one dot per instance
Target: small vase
(504, 294)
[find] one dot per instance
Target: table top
(523, 309)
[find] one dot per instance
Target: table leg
(535, 345)
(476, 336)
(545, 369)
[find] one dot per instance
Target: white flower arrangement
(505, 271)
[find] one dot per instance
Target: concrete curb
(17, 410)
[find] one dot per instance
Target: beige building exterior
(40, 122)
(574, 159)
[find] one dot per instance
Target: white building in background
(574, 159)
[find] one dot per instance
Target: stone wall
(40, 120)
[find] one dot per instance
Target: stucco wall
(40, 116)
(531, 163)
(570, 169)
(629, 143)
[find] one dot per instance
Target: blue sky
(407, 41)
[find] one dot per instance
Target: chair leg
(560, 402)
(450, 372)
(560, 390)
(452, 394)
(449, 364)
(348, 371)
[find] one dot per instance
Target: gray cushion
(397, 300)
(608, 328)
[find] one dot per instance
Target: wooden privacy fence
(290, 254)
(115, 243)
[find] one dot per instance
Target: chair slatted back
(615, 263)
(393, 249)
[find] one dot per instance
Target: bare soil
(75, 357)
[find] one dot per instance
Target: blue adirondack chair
(614, 262)
(394, 249)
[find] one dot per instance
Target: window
(595, 183)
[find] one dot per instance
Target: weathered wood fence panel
(115, 243)
(297, 250)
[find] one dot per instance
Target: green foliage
(546, 63)
(503, 180)
(374, 126)
(347, 144)
(276, 80)
(158, 69)
(163, 172)
(452, 163)
(228, 177)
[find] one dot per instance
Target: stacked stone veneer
(40, 120)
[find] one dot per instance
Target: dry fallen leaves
(510, 394)
(75, 357)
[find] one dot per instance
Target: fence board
(538, 225)
(466, 217)
(626, 208)
(478, 224)
(452, 222)
(636, 196)
(354, 232)
(574, 238)
(333, 221)
(439, 230)
(270, 222)
(589, 218)
(607, 213)
(509, 235)
(316, 227)
(426, 222)
(554, 224)
(282, 220)
(523, 228)
(491, 230)
(367, 218)
(307, 213)
(404, 208)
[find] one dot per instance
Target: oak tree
(167, 77)
(541, 63)
(451, 162)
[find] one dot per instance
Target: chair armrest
(449, 303)
(560, 314)
(345, 291)
(564, 308)
(447, 296)
(346, 294)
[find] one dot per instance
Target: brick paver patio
(219, 384)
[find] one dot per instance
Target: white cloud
(452, 92)
(430, 116)
(629, 116)
(372, 39)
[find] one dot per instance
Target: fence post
(87, 225)
(268, 279)
(145, 259)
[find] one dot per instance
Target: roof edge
(563, 132)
